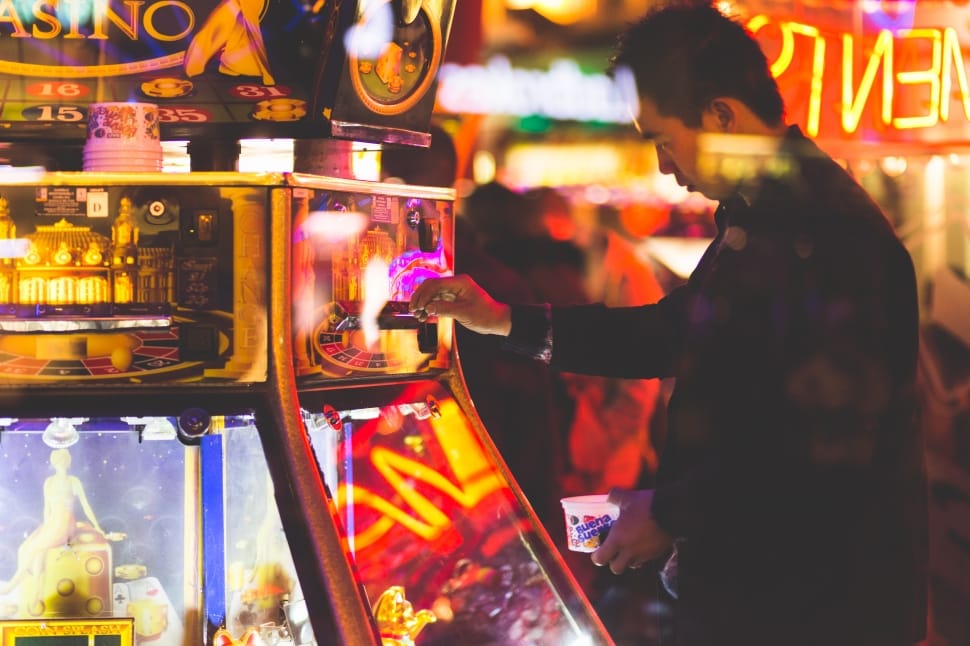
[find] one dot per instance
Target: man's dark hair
(685, 54)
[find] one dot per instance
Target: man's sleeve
(531, 333)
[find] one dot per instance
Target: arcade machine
(219, 423)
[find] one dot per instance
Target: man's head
(436, 165)
(697, 71)
(496, 212)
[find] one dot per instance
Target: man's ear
(721, 115)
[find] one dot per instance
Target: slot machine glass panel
(129, 521)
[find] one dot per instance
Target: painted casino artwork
(117, 518)
(92, 528)
(246, 67)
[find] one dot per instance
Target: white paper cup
(121, 154)
(121, 146)
(588, 518)
(121, 165)
(123, 122)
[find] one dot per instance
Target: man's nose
(665, 164)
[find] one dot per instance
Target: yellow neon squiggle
(428, 529)
(475, 478)
(430, 522)
(374, 533)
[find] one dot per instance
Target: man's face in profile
(680, 151)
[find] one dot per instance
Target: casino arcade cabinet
(218, 424)
(149, 460)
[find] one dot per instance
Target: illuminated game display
(225, 68)
(130, 282)
(117, 538)
(357, 256)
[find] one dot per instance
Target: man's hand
(460, 298)
(635, 537)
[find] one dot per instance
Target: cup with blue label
(588, 520)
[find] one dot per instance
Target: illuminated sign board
(848, 71)
(60, 632)
(562, 92)
(207, 64)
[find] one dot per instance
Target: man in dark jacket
(792, 481)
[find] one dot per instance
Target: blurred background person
(606, 424)
(512, 395)
(616, 275)
(568, 259)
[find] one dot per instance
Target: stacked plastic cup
(123, 136)
(588, 519)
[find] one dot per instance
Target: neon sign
(913, 73)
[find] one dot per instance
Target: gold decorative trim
(91, 71)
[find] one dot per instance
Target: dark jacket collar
(786, 180)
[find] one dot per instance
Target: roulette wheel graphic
(345, 348)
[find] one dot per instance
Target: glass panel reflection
(430, 517)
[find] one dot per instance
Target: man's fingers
(605, 553)
(440, 307)
(619, 564)
(609, 549)
(434, 290)
(618, 560)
